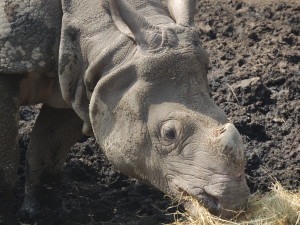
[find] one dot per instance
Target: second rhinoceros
(130, 73)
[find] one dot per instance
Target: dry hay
(277, 207)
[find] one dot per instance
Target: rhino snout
(226, 204)
(231, 201)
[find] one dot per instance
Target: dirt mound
(254, 76)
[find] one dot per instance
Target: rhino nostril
(219, 131)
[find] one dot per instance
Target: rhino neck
(102, 61)
(92, 46)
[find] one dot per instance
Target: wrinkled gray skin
(128, 73)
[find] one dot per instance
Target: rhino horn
(133, 24)
(182, 11)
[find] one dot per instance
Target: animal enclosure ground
(254, 76)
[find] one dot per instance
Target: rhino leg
(9, 153)
(55, 131)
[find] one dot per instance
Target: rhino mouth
(211, 203)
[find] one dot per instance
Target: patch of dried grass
(277, 207)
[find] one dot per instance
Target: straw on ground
(277, 207)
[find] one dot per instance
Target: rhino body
(132, 74)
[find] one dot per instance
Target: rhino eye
(169, 131)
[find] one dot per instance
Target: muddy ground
(254, 76)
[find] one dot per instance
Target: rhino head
(155, 120)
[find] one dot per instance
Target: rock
(252, 90)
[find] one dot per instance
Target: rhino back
(29, 36)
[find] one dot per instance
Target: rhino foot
(46, 217)
(43, 204)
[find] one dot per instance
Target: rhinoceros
(133, 74)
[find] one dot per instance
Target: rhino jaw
(223, 195)
(217, 204)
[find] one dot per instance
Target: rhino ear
(130, 22)
(182, 11)
(120, 24)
